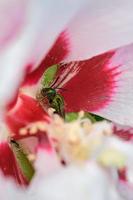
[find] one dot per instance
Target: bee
(49, 97)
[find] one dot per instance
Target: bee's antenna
(63, 89)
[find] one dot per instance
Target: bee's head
(50, 93)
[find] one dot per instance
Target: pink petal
(56, 54)
(34, 40)
(84, 83)
(8, 164)
(120, 107)
(26, 111)
(99, 27)
(102, 85)
(124, 132)
(122, 174)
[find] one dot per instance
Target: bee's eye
(43, 91)
(49, 92)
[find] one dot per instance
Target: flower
(93, 74)
(110, 70)
(98, 85)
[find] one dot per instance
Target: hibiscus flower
(104, 80)
(101, 84)
(90, 80)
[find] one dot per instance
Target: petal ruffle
(124, 132)
(25, 112)
(57, 53)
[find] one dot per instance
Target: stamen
(112, 157)
(41, 126)
(33, 128)
(31, 157)
(81, 140)
(23, 131)
(81, 114)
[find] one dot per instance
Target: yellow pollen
(79, 140)
(81, 114)
(112, 157)
(73, 139)
(80, 152)
(33, 129)
(41, 126)
(23, 131)
(107, 133)
(87, 127)
(31, 157)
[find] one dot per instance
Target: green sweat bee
(53, 100)
(48, 95)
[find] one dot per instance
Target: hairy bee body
(48, 97)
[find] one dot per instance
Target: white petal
(125, 148)
(12, 18)
(9, 191)
(126, 191)
(99, 27)
(119, 109)
(47, 162)
(45, 19)
(86, 182)
(74, 182)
